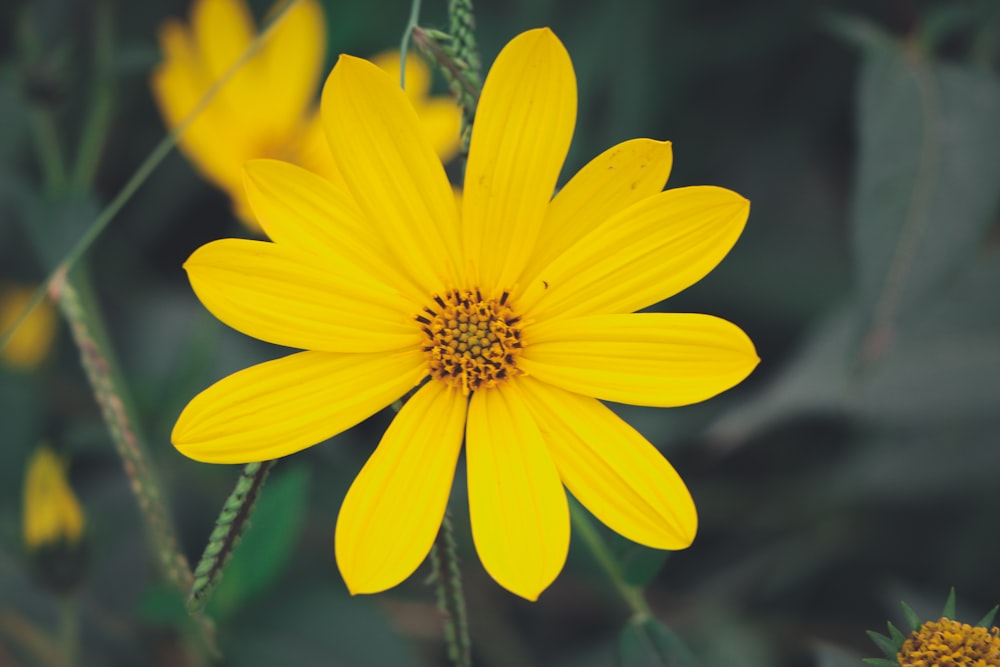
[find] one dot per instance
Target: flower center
(471, 343)
(948, 642)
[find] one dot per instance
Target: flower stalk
(447, 579)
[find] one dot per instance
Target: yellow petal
(524, 123)
(223, 30)
(178, 84)
(394, 508)
(648, 252)
(520, 517)
(313, 153)
(302, 210)
(608, 184)
(612, 470)
(284, 296)
(52, 513)
(282, 406)
(293, 56)
(392, 171)
(656, 359)
(30, 344)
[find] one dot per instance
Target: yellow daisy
(267, 109)
(513, 316)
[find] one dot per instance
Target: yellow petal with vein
(394, 508)
(282, 406)
(299, 209)
(520, 517)
(644, 254)
(284, 296)
(523, 126)
(612, 470)
(655, 359)
(608, 184)
(392, 171)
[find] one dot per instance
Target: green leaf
(895, 635)
(268, 545)
(926, 190)
(911, 617)
(638, 564)
(648, 643)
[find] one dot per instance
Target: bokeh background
(857, 467)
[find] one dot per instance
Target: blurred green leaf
(834, 656)
(648, 643)
(926, 187)
(315, 624)
(639, 565)
(267, 546)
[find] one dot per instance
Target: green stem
(229, 528)
(583, 527)
(69, 629)
(95, 129)
(404, 46)
(447, 579)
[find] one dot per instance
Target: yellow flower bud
(31, 343)
(52, 513)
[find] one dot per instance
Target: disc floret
(472, 342)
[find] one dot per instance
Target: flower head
(31, 342)
(513, 316)
(266, 110)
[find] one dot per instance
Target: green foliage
(649, 643)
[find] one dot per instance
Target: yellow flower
(31, 343)
(266, 110)
(518, 311)
(52, 514)
(948, 642)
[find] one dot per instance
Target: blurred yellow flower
(31, 343)
(513, 316)
(267, 109)
(52, 513)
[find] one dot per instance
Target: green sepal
(987, 620)
(911, 617)
(884, 644)
(949, 605)
(897, 637)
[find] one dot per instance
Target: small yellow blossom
(52, 513)
(948, 642)
(267, 109)
(30, 344)
(512, 316)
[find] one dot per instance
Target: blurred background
(856, 467)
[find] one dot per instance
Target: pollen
(472, 343)
(948, 642)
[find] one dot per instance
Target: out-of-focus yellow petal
(655, 359)
(524, 123)
(282, 406)
(282, 295)
(392, 171)
(222, 31)
(608, 184)
(394, 508)
(647, 253)
(610, 468)
(418, 74)
(52, 513)
(520, 517)
(31, 343)
(293, 57)
(301, 210)
(441, 119)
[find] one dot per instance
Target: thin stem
(447, 578)
(69, 629)
(584, 527)
(404, 46)
(99, 114)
